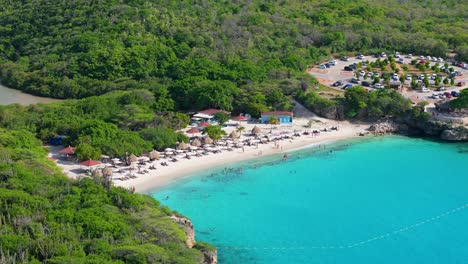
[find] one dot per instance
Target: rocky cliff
(210, 255)
(443, 130)
(435, 128)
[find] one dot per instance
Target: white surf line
(359, 243)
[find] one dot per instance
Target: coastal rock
(209, 257)
(188, 229)
(384, 128)
(455, 134)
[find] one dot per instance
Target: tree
(461, 101)
(161, 137)
(214, 132)
(356, 99)
(221, 117)
(272, 120)
(426, 81)
(85, 152)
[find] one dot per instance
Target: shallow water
(380, 200)
(10, 96)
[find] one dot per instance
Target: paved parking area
(337, 73)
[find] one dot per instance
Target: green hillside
(46, 218)
(207, 53)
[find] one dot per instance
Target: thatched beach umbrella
(154, 155)
(256, 130)
(183, 146)
(234, 134)
(196, 143)
(106, 172)
(97, 173)
(133, 158)
(207, 140)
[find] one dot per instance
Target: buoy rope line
(357, 244)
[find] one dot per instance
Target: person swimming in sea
(285, 156)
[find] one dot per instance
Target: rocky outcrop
(210, 255)
(455, 134)
(385, 127)
(432, 127)
(188, 229)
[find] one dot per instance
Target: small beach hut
(256, 130)
(90, 163)
(207, 140)
(193, 130)
(67, 151)
(196, 142)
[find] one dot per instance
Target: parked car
(362, 73)
(441, 88)
(344, 58)
(322, 66)
(460, 84)
(396, 55)
(376, 74)
(378, 86)
(401, 60)
(454, 93)
(425, 90)
(347, 86)
(365, 83)
(360, 57)
(333, 62)
(448, 95)
(383, 55)
(338, 83)
(348, 68)
(409, 56)
(355, 80)
(408, 78)
(435, 96)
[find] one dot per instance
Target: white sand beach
(164, 175)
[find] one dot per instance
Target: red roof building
(193, 130)
(239, 118)
(204, 124)
(278, 113)
(68, 151)
(90, 163)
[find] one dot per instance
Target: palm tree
(273, 121)
(240, 129)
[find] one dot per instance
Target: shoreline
(164, 176)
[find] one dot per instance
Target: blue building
(283, 117)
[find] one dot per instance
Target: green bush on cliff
(46, 218)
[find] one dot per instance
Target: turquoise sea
(379, 200)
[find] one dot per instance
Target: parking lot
(336, 73)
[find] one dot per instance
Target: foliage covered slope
(206, 53)
(46, 218)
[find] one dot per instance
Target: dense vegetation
(46, 218)
(461, 101)
(235, 55)
(114, 124)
